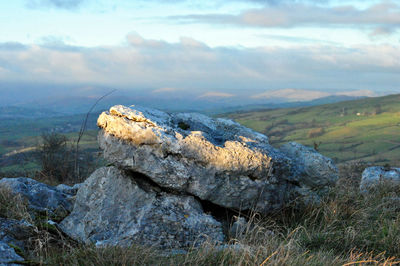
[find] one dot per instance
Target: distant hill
(72, 105)
(364, 129)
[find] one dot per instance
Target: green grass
(372, 136)
(20, 133)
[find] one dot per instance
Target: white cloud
(61, 4)
(157, 64)
(384, 16)
(216, 94)
(164, 90)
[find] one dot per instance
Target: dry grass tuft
(13, 206)
(346, 228)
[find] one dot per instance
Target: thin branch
(83, 128)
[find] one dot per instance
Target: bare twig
(82, 131)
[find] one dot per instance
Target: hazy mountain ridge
(62, 106)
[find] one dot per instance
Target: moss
(51, 228)
(17, 250)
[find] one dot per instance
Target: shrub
(55, 157)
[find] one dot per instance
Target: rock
(114, 208)
(216, 160)
(375, 175)
(42, 198)
(315, 172)
(8, 256)
(16, 232)
(68, 189)
(239, 227)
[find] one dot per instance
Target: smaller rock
(315, 171)
(42, 198)
(238, 227)
(114, 208)
(68, 189)
(8, 256)
(16, 232)
(375, 175)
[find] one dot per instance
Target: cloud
(8, 46)
(295, 39)
(61, 4)
(152, 64)
(166, 90)
(216, 94)
(379, 31)
(303, 13)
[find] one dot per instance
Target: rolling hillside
(367, 129)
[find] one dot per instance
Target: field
(366, 129)
(20, 137)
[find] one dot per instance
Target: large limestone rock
(216, 160)
(315, 172)
(42, 198)
(114, 208)
(375, 175)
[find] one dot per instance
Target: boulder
(117, 208)
(315, 172)
(8, 256)
(375, 175)
(216, 160)
(42, 198)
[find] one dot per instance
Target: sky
(217, 47)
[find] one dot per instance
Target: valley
(366, 129)
(363, 129)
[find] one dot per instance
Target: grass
(346, 228)
(344, 136)
(13, 206)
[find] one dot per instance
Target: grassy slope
(370, 137)
(346, 136)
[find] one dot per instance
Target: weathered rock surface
(314, 169)
(216, 160)
(68, 189)
(315, 172)
(373, 176)
(42, 197)
(16, 232)
(8, 256)
(113, 208)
